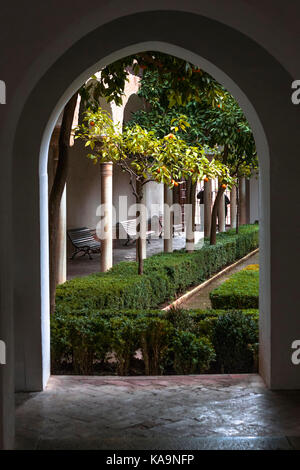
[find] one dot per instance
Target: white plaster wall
(83, 183)
(154, 198)
(39, 84)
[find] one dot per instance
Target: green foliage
(124, 341)
(114, 312)
(185, 82)
(155, 338)
(164, 339)
(221, 125)
(144, 156)
(191, 354)
(165, 275)
(241, 290)
(234, 338)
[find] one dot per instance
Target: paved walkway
(178, 412)
(202, 300)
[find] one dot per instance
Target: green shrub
(234, 336)
(84, 339)
(191, 354)
(181, 319)
(241, 290)
(89, 339)
(124, 341)
(117, 312)
(155, 336)
(165, 275)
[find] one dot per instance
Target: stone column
(242, 201)
(233, 207)
(207, 208)
(106, 202)
(221, 214)
(61, 247)
(168, 220)
(62, 240)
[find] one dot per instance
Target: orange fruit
(224, 186)
(92, 123)
(206, 179)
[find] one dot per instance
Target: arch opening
(221, 77)
(245, 70)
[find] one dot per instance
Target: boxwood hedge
(180, 341)
(165, 275)
(241, 290)
(116, 314)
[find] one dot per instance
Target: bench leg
(74, 254)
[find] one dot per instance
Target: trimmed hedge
(179, 341)
(241, 290)
(165, 275)
(115, 314)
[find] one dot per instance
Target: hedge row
(240, 291)
(176, 341)
(165, 275)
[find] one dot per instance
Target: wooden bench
(83, 241)
(130, 228)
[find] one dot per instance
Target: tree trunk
(57, 191)
(213, 230)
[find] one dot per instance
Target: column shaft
(168, 220)
(106, 202)
(207, 208)
(233, 207)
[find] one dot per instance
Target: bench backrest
(129, 226)
(79, 236)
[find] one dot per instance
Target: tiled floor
(178, 412)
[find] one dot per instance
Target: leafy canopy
(143, 155)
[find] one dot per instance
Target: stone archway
(246, 70)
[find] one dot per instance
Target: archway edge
(234, 55)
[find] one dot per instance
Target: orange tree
(227, 126)
(144, 156)
(187, 82)
(215, 119)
